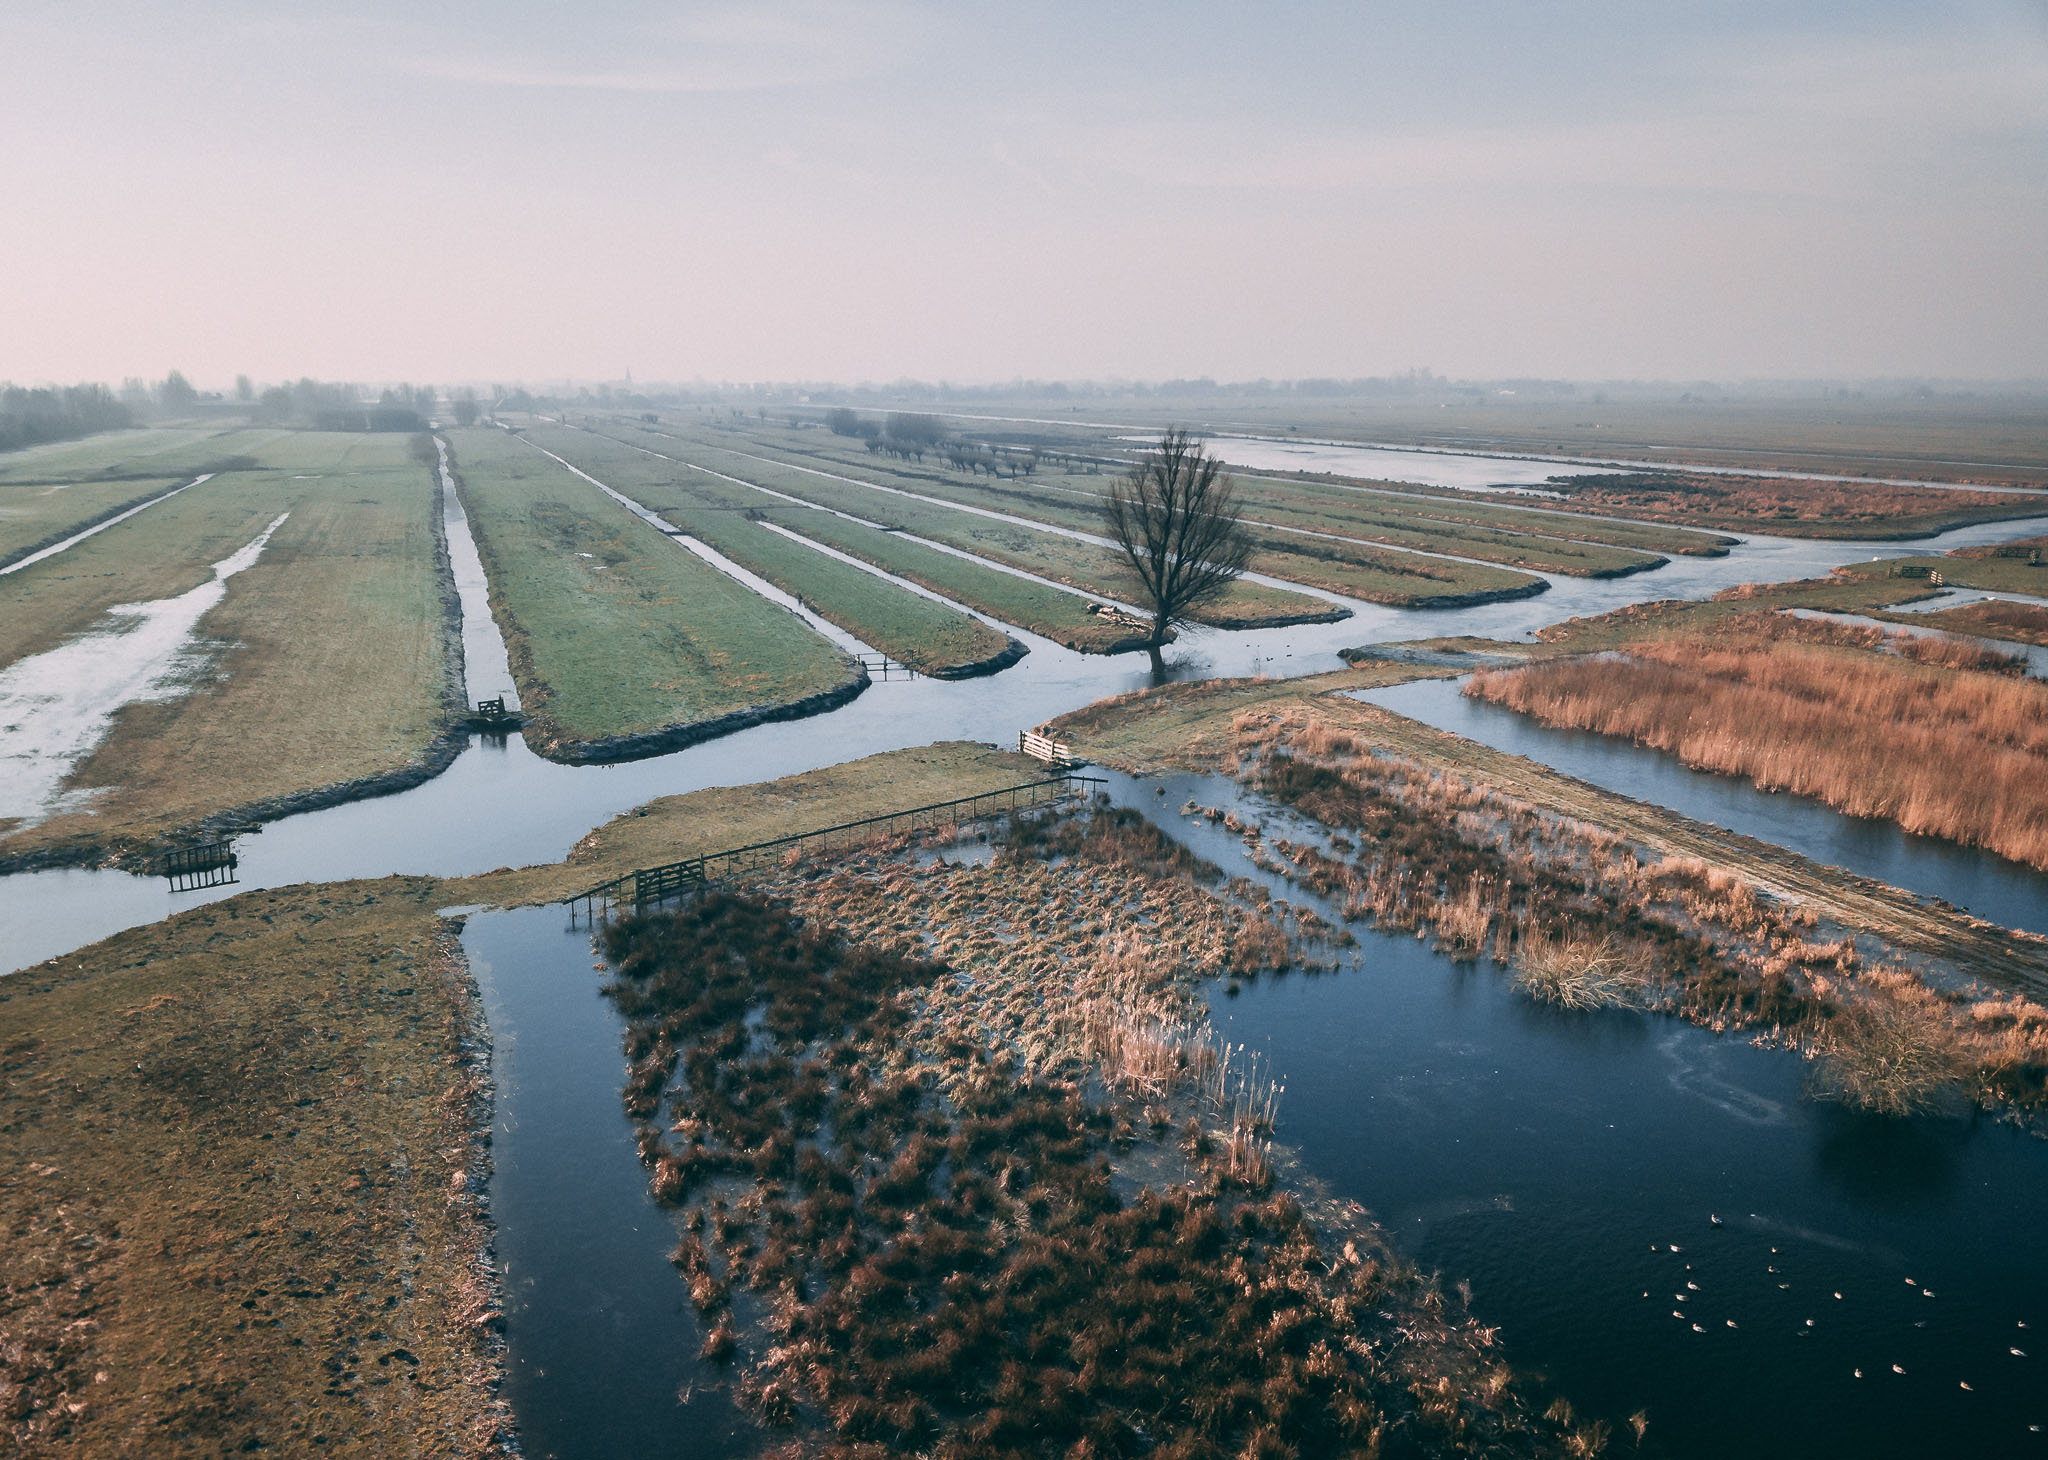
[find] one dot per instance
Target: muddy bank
(1012, 651)
(128, 855)
(1501, 595)
(547, 738)
(1270, 621)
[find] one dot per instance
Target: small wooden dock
(649, 885)
(209, 864)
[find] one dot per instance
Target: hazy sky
(980, 192)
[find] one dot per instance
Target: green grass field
(49, 492)
(928, 636)
(1410, 523)
(1552, 541)
(327, 658)
(1087, 566)
(614, 631)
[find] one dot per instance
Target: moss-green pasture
(911, 629)
(612, 630)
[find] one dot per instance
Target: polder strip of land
(1424, 528)
(908, 627)
(329, 670)
(1053, 613)
(1090, 567)
(48, 493)
(622, 643)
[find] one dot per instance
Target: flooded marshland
(1651, 1213)
(1539, 1155)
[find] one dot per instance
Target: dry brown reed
(1581, 972)
(1889, 1055)
(1584, 918)
(1805, 707)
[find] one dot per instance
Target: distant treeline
(56, 413)
(327, 406)
(910, 434)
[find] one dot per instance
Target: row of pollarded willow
(1949, 749)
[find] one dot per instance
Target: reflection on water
(1556, 1160)
(500, 805)
(599, 1331)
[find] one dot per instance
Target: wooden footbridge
(648, 885)
(882, 668)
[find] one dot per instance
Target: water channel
(1539, 1155)
(1991, 886)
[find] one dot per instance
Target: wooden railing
(646, 885)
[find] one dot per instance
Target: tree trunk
(1158, 662)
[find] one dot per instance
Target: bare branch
(1175, 520)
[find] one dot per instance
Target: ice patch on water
(56, 706)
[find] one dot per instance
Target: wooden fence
(646, 885)
(210, 864)
(1045, 748)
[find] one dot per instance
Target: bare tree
(1174, 517)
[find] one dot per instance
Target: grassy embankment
(1988, 438)
(1492, 530)
(913, 630)
(1089, 567)
(1353, 568)
(47, 493)
(1942, 748)
(1792, 506)
(1592, 895)
(1993, 618)
(623, 643)
(240, 1152)
(328, 661)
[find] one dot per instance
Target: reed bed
(1584, 920)
(2027, 623)
(1924, 736)
(864, 1090)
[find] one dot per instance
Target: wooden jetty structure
(208, 864)
(648, 885)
